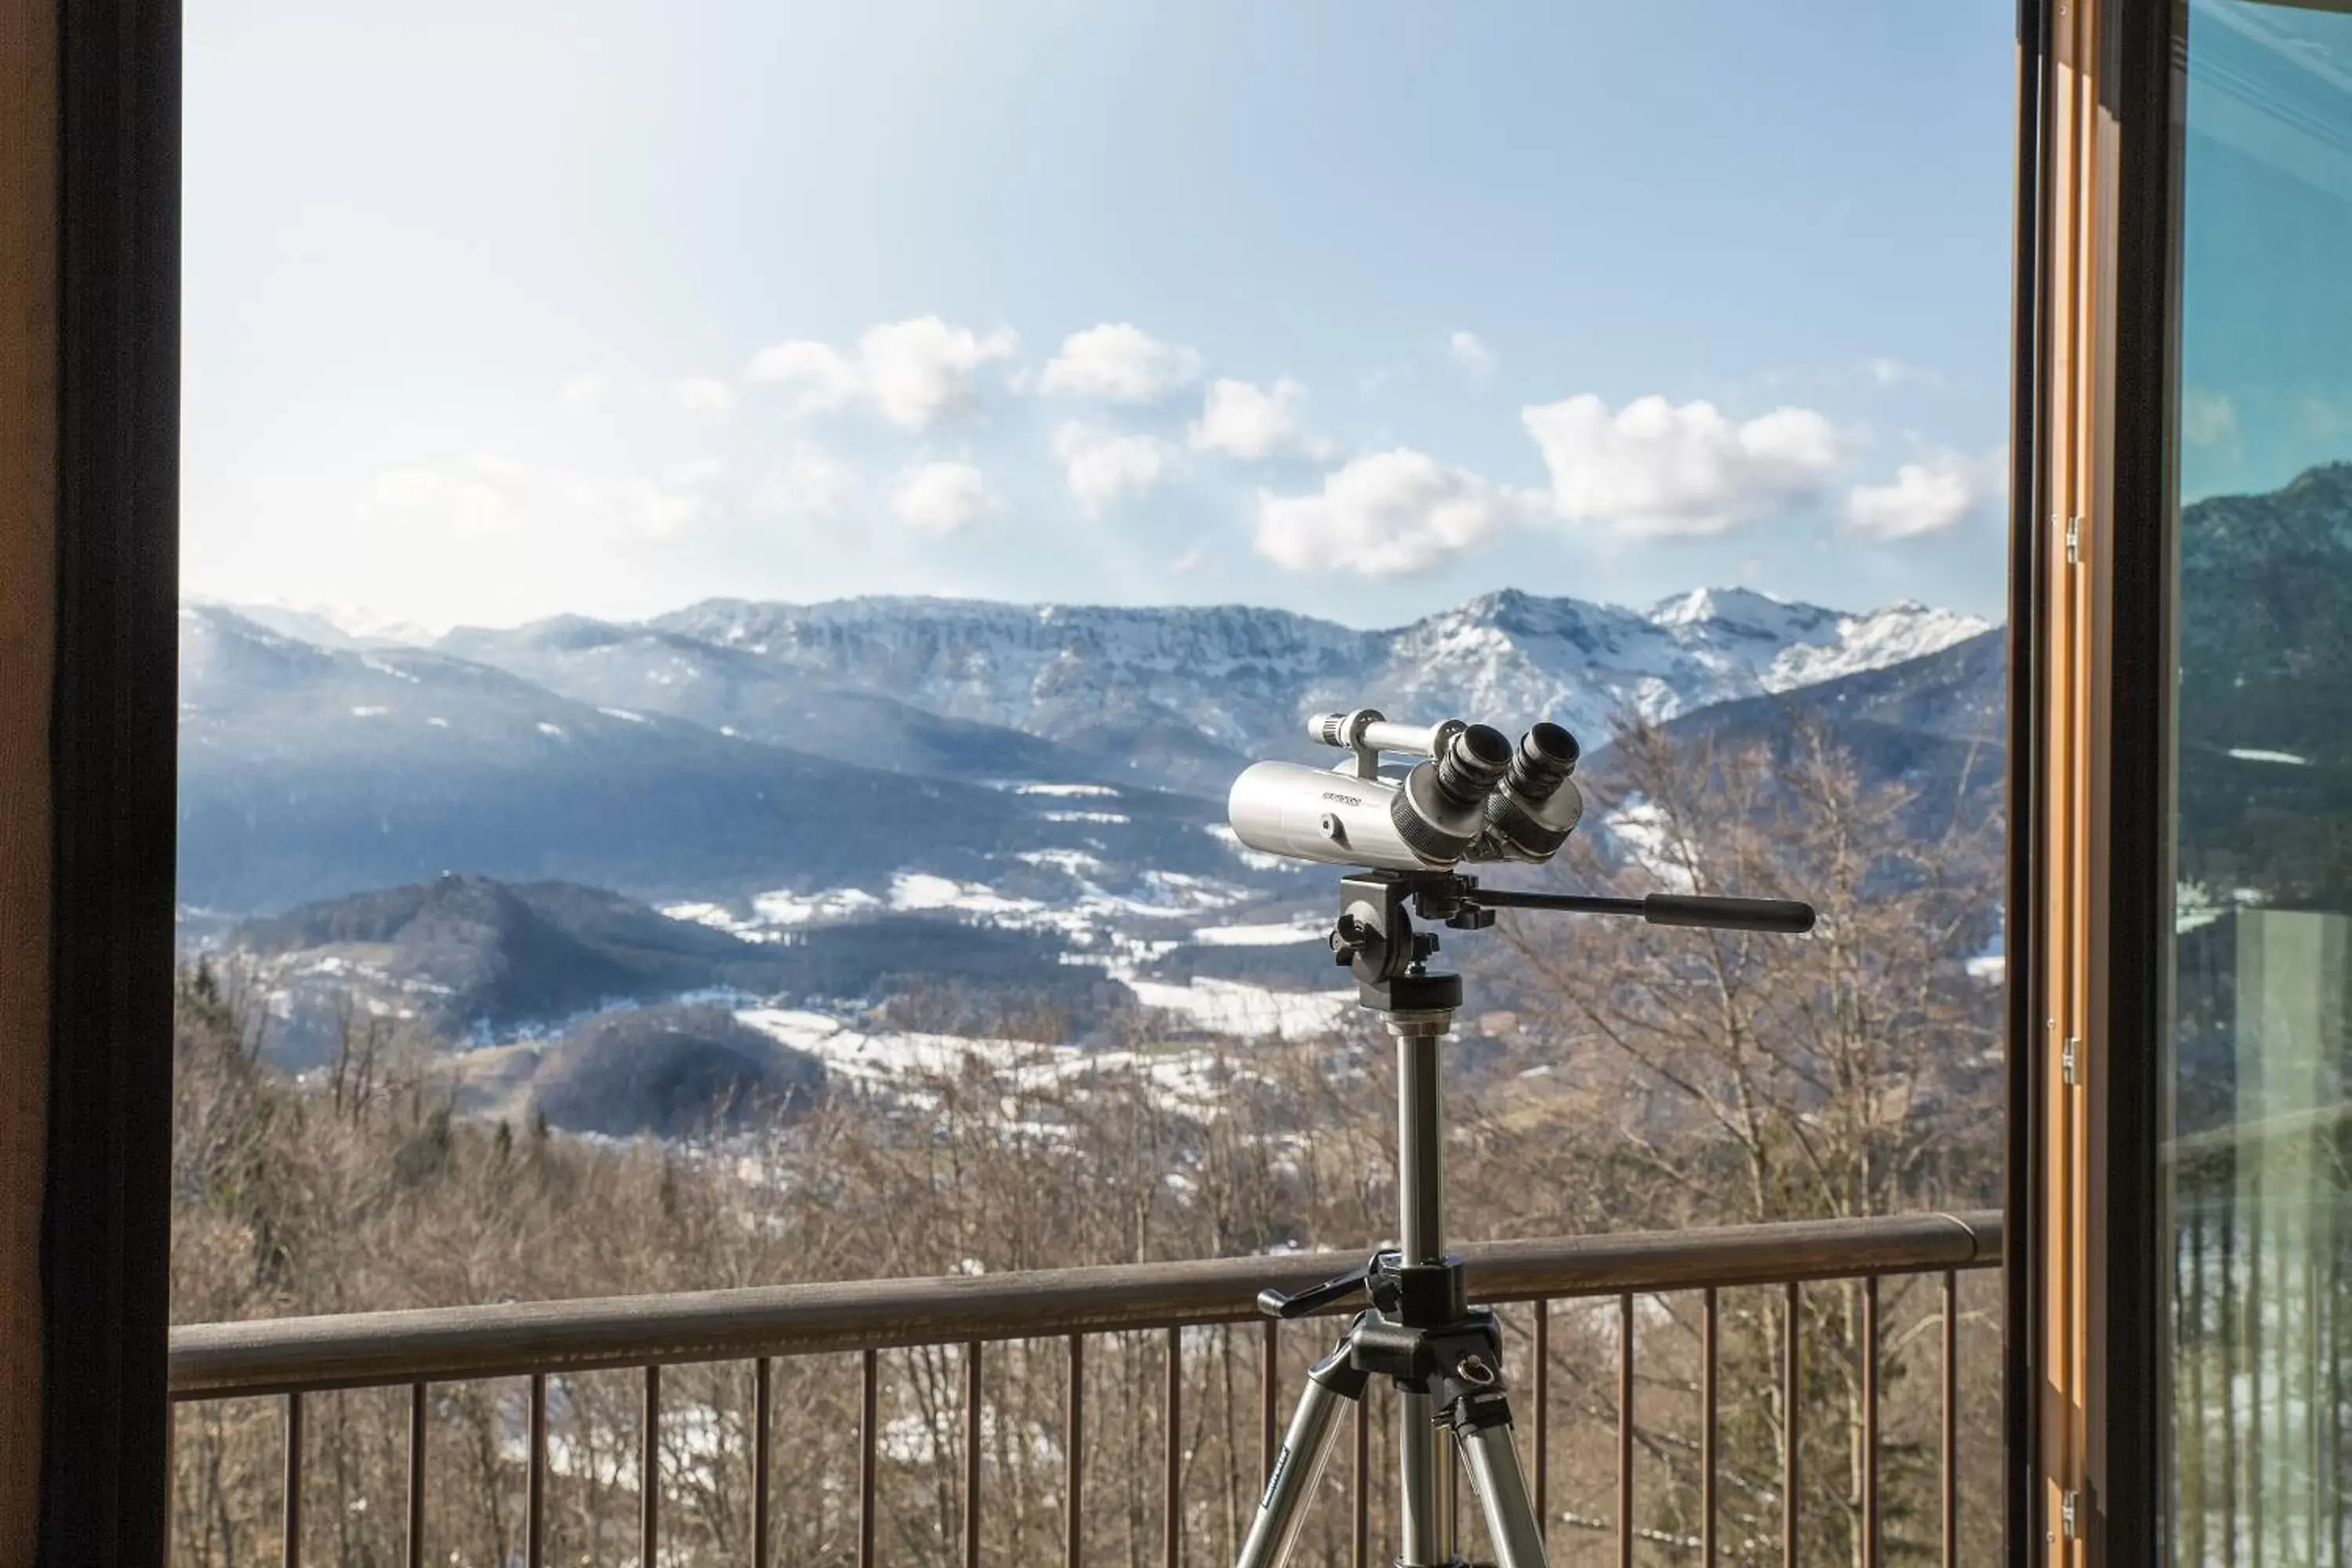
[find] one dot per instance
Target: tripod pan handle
(1785, 915)
(1314, 1298)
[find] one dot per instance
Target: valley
(826, 842)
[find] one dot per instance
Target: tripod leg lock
(1340, 1372)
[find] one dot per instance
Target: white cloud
(1887, 372)
(813, 376)
(469, 507)
(645, 507)
(2316, 415)
(1384, 514)
(489, 497)
(1473, 358)
(1933, 495)
(704, 395)
(918, 370)
(941, 497)
(912, 372)
(2208, 418)
(1244, 420)
(1119, 363)
(1657, 469)
(809, 483)
(1102, 465)
(585, 391)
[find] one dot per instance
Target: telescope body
(1314, 813)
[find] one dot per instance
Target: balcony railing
(292, 1360)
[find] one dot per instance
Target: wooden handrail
(284, 1355)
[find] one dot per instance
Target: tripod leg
(1502, 1489)
(1332, 1385)
(1426, 1497)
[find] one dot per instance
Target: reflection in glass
(2261, 960)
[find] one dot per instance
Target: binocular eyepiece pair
(1472, 795)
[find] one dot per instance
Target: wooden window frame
(2094, 530)
(90, 507)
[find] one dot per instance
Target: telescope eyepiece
(1440, 808)
(1546, 754)
(1473, 763)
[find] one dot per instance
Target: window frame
(113, 717)
(2094, 530)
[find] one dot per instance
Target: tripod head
(1374, 939)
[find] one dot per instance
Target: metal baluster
(1792, 1395)
(2230, 1319)
(972, 1455)
(291, 1547)
(1707, 1498)
(2336, 1388)
(2179, 1461)
(649, 1473)
(2258, 1479)
(1542, 1381)
(2307, 1333)
(1361, 1553)
(417, 1412)
(1269, 1377)
(1870, 1421)
(1951, 1418)
(2198, 1345)
(762, 1392)
(1171, 1525)
(1626, 1431)
(868, 1445)
(534, 1510)
(1073, 1465)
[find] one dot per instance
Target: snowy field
(1193, 1079)
(1123, 931)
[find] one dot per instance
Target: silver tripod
(1419, 1332)
(1446, 1360)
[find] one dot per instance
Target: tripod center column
(1420, 1135)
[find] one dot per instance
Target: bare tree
(1725, 1075)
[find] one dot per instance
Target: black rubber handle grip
(1314, 1298)
(1731, 914)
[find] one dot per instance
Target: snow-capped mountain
(1237, 682)
(732, 749)
(309, 772)
(330, 626)
(1522, 657)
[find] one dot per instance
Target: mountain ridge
(308, 772)
(1063, 757)
(1188, 693)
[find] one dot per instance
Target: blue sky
(2266, 319)
(1356, 308)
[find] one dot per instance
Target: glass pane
(2263, 778)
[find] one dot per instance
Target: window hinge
(2070, 1062)
(2069, 1517)
(2074, 542)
